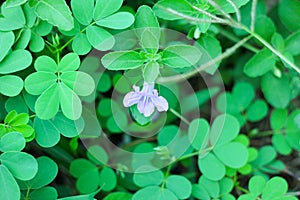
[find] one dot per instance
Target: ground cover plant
(150, 99)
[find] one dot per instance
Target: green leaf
(233, 154)
(81, 45)
(243, 94)
(67, 127)
(163, 9)
(198, 133)
(20, 119)
(256, 185)
(226, 185)
(154, 192)
(122, 60)
(47, 104)
(56, 12)
(12, 141)
(69, 62)
(199, 192)
(292, 43)
(10, 85)
(43, 28)
(148, 176)
(146, 19)
(278, 118)
(88, 182)
(281, 144)
(104, 9)
(119, 20)
(7, 40)
(107, 179)
(13, 18)
(47, 171)
(17, 103)
(30, 16)
(81, 166)
(139, 117)
(289, 13)
(260, 63)
(15, 61)
(14, 3)
(104, 83)
(275, 187)
(224, 129)
(69, 102)
(266, 154)
(118, 195)
(227, 7)
(212, 187)
(210, 48)
(151, 72)
(97, 154)
(10, 116)
(84, 14)
(23, 40)
(278, 42)
(81, 83)
(180, 186)
(36, 44)
(25, 130)
(22, 165)
(100, 38)
(9, 187)
(36, 83)
(276, 90)
(46, 193)
(264, 27)
(46, 134)
(211, 167)
(45, 63)
(180, 56)
(149, 41)
(257, 111)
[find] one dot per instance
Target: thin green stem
(27, 194)
(236, 9)
(227, 53)
(57, 57)
(234, 38)
(253, 14)
(179, 116)
(238, 187)
(69, 41)
(270, 132)
(297, 193)
(193, 19)
(271, 48)
(208, 14)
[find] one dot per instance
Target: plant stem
(227, 53)
(271, 48)
(297, 193)
(234, 38)
(179, 116)
(236, 9)
(69, 41)
(253, 14)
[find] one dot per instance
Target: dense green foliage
(149, 100)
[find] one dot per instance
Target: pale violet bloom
(147, 100)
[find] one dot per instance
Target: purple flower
(147, 100)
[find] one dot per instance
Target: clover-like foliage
(59, 86)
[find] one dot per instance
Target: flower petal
(160, 103)
(131, 98)
(145, 106)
